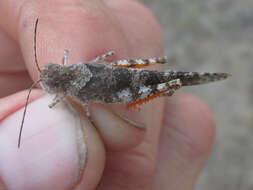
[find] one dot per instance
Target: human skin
(168, 154)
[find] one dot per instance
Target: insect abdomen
(195, 78)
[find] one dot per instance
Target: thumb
(50, 156)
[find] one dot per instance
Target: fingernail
(133, 123)
(117, 130)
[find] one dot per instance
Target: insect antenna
(33, 85)
(34, 44)
(24, 113)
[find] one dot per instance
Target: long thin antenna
(34, 45)
(23, 118)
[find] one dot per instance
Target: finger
(142, 38)
(12, 82)
(50, 151)
(119, 133)
(186, 140)
(13, 75)
(135, 167)
(140, 28)
(14, 102)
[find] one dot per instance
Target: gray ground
(217, 35)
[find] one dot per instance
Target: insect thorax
(64, 79)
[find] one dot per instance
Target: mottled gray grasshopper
(121, 81)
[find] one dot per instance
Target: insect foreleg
(65, 57)
(56, 100)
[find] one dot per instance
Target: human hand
(50, 156)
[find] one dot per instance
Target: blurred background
(217, 35)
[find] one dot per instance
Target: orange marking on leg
(122, 65)
(147, 98)
(141, 66)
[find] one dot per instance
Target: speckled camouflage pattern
(117, 82)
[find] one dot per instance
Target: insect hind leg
(177, 84)
(154, 91)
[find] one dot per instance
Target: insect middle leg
(102, 57)
(139, 63)
(86, 108)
